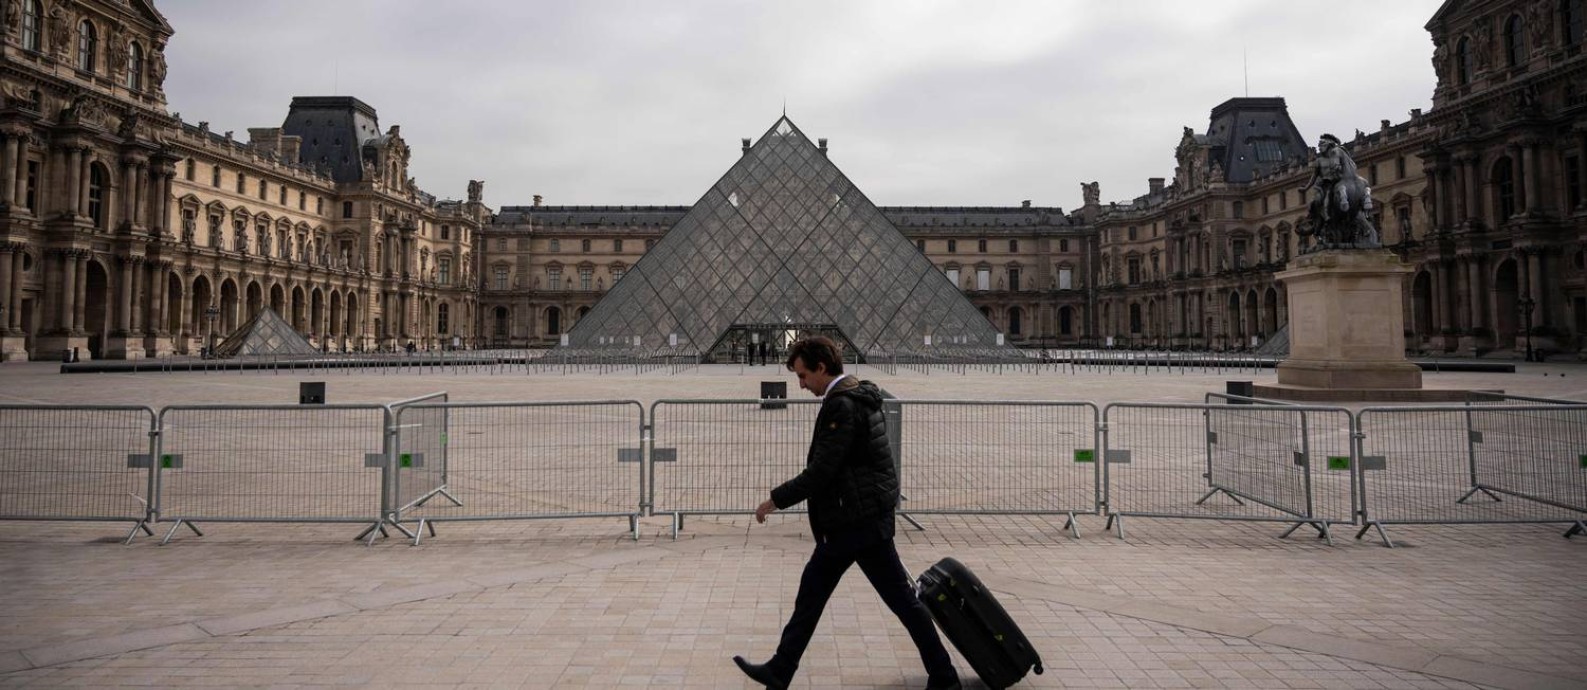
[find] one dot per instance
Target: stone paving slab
(578, 603)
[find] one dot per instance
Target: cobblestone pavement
(579, 603)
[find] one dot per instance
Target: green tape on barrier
(1088, 455)
(1583, 460)
(405, 460)
(443, 438)
(168, 461)
(1338, 462)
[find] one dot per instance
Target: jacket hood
(866, 393)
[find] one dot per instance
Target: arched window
(442, 317)
(87, 45)
(1135, 319)
(1514, 41)
(1570, 21)
(554, 321)
(135, 66)
(1066, 321)
(1463, 61)
(32, 38)
(97, 178)
(1504, 187)
(1015, 320)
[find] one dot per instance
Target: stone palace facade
(126, 232)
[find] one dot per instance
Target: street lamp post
(1526, 305)
(211, 313)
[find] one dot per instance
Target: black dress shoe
(760, 674)
(950, 684)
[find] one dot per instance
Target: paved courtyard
(579, 603)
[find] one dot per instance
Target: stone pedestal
(158, 345)
(13, 348)
(51, 347)
(1346, 322)
(124, 347)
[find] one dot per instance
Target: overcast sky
(925, 102)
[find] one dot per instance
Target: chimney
(1155, 184)
(291, 148)
(1415, 113)
(538, 199)
(1383, 124)
(822, 145)
(745, 144)
(1025, 204)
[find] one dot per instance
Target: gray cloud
(928, 102)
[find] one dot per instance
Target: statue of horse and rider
(1340, 213)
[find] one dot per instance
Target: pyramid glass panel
(782, 245)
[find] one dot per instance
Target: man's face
(814, 381)
(1324, 145)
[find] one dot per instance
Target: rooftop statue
(1341, 202)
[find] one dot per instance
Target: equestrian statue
(1340, 212)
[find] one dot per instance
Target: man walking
(852, 489)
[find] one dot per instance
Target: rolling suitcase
(977, 625)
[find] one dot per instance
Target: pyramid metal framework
(264, 334)
(785, 238)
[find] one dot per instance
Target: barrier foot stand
(1579, 528)
(1475, 489)
(419, 533)
(633, 526)
(143, 525)
(913, 522)
(1072, 525)
(368, 532)
(1115, 522)
(677, 524)
(451, 498)
(1214, 491)
(1384, 535)
(398, 526)
(177, 526)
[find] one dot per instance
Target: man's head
(1327, 141)
(816, 361)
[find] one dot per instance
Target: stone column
(14, 310)
(140, 204)
(1534, 176)
(7, 297)
(158, 313)
(1473, 205)
(84, 180)
(79, 309)
(185, 317)
(74, 170)
(129, 184)
(1474, 289)
(124, 303)
(22, 172)
(1534, 287)
(8, 171)
(68, 293)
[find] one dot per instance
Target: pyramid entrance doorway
(741, 342)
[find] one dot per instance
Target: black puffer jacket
(849, 478)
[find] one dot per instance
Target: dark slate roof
(333, 129)
(900, 216)
(980, 216)
(664, 216)
(1249, 132)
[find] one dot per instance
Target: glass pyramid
(265, 334)
(785, 245)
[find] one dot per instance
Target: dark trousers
(872, 548)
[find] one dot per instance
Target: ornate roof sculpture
(784, 238)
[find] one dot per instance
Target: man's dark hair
(816, 350)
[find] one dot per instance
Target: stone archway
(1507, 326)
(96, 307)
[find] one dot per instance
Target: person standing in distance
(852, 490)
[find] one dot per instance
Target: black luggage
(977, 625)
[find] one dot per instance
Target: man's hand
(767, 507)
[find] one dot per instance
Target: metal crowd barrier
(722, 457)
(517, 461)
(77, 463)
(1255, 462)
(420, 441)
(1472, 465)
(272, 463)
(998, 458)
